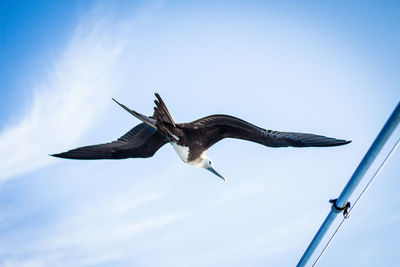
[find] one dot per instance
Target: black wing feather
(217, 127)
(141, 141)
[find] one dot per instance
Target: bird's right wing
(217, 127)
(141, 141)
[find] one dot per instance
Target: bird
(191, 140)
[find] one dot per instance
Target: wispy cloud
(77, 88)
(94, 238)
(158, 211)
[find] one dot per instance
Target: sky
(325, 68)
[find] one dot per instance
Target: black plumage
(141, 141)
(193, 138)
(205, 132)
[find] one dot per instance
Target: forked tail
(161, 119)
(161, 113)
(149, 121)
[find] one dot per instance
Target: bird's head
(207, 164)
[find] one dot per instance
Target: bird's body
(191, 140)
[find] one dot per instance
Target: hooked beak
(211, 169)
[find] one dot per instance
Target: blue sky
(324, 68)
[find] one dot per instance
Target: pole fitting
(337, 209)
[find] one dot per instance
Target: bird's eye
(209, 162)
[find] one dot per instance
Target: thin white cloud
(89, 237)
(77, 89)
(184, 216)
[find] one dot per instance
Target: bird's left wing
(216, 127)
(141, 141)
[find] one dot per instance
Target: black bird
(191, 140)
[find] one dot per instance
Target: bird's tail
(161, 119)
(149, 121)
(161, 113)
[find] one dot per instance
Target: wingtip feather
(59, 155)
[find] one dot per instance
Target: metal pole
(369, 157)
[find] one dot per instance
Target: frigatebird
(191, 140)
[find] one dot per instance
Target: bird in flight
(191, 140)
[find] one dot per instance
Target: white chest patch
(182, 151)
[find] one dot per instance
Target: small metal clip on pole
(341, 202)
